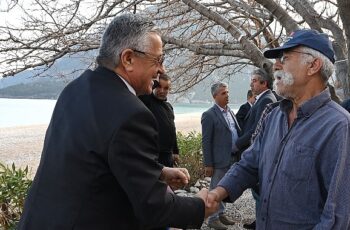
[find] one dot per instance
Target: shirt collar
(130, 88)
(258, 96)
(309, 106)
(222, 109)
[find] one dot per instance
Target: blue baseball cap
(309, 38)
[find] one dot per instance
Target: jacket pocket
(297, 162)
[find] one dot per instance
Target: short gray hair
(327, 68)
(263, 76)
(125, 31)
(216, 86)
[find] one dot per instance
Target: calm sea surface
(16, 112)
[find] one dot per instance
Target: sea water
(18, 112)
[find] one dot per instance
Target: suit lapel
(256, 104)
(248, 114)
(221, 117)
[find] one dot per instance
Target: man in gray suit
(220, 131)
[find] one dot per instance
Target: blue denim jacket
(304, 171)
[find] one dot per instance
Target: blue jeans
(217, 175)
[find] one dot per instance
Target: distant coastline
(24, 112)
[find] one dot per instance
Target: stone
(198, 184)
(180, 191)
(184, 194)
(194, 189)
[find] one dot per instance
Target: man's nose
(277, 65)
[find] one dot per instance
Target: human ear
(314, 66)
(127, 59)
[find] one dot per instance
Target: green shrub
(190, 147)
(14, 184)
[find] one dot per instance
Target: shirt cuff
(234, 191)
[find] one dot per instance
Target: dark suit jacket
(346, 104)
(216, 138)
(242, 113)
(98, 168)
(252, 119)
(164, 114)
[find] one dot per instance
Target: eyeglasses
(283, 57)
(158, 59)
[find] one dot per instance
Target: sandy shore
(22, 145)
(186, 123)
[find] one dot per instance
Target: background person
(220, 130)
(346, 104)
(164, 114)
(261, 85)
(244, 109)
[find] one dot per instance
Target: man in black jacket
(98, 168)
(346, 104)
(164, 113)
(244, 109)
(260, 85)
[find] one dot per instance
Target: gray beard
(286, 79)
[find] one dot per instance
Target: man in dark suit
(244, 109)
(260, 85)
(220, 130)
(99, 167)
(346, 104)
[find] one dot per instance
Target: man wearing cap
(301, 156)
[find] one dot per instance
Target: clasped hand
(179, 177)
(211, 201)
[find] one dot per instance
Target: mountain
(40, 89)
(49, 84)
(46, 83)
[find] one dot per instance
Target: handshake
(211, 199)
(179, 177)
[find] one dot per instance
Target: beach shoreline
(22, 145)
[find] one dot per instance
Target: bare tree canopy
(202, 38)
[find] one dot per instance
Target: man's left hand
(175, 177)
